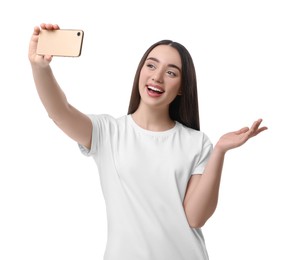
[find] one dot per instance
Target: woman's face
(160, 77)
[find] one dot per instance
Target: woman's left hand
(235, 139)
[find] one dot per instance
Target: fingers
(261, 130)
(242, 130)
(255, 125)
(45, 26)
(49, 26)
(255, 130)
(40, 59)
(36, 30)
(48, 57)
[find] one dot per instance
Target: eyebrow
(169, 65)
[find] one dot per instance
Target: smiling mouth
(155, 90)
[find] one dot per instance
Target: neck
(153, 119)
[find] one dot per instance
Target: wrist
(40, 62)
(220, 149)
(40, 66)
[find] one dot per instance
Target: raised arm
(202, 191)
(75, 124)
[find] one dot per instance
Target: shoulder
(98, 117)
(106, 122)
(106, 118)
(193, 135)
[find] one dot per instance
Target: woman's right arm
(75, 124)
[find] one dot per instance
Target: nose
(157, 77)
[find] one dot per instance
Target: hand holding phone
(62, 42)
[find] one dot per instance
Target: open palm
(237, 138)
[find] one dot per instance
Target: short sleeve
(203, 156)
(100, 133)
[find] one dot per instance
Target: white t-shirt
(144, 176)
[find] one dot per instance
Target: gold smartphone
(62, 42)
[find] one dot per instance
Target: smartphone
(62, 42)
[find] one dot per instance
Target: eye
(150, 66)
(171, 73)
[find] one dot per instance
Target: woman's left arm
(202, 191)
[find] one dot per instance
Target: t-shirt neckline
(154, 133)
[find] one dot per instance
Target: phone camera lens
(78, 34)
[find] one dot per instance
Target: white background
(51, 204)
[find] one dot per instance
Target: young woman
(160, 174)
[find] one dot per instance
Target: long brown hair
(184, 108)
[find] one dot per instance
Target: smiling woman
(159, 81)
(159, 173)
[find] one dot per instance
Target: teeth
(155, 89)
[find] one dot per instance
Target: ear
(180, 92)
